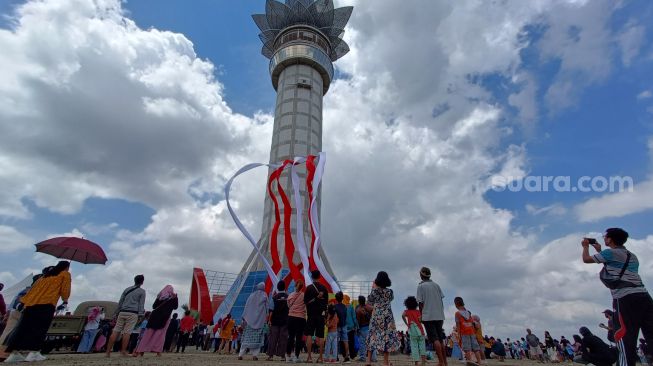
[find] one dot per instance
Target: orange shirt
(47, 290)
(225, 333)
(465, 326)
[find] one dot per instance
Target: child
(411, 317)
(467, 332)
(331, 351)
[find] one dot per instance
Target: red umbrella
(76, 249)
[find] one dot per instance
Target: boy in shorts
(467, 332)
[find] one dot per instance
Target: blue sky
(564, 89)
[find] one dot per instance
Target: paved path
(195, 358)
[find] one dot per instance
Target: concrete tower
(302, 39)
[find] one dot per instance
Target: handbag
(616, 283)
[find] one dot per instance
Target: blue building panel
(236, 298)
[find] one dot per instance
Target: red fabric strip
(274, 249)
(287, 233)
(310, 169)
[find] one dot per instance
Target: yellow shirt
(479, 335)
(227, 329)
(47, 290)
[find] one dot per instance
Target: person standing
(456, 351)
(186, 326)
(411, 318)
(216, 335)
(171, 331)
(363, 316)
(429, 296)
(609, 315)
(383, 331)
(316, 300)
(331, 347)
(153, 339)
(465, 325)
(534, 350)
(131, 307)
(278, 338)
(296, 322)
(479, 337)
(39, 303)
(90, 329)
(341, 309)
(226, 334)
(13, 317)
(633, 306)
(352, 326)
(254, 317)
(549, 346)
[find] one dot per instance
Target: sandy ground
(192, 358)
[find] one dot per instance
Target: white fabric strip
(227, 188)
(300, 243)
(319, 170)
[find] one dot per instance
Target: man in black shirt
(316, 299)
(278, 337)
(595, 351)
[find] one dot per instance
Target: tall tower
(302, 39)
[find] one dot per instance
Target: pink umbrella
(76, 249)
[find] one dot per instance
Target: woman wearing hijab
(95, 315)
(40, 304)
(254, 318)
(157, 324)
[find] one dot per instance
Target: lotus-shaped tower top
(319, 15)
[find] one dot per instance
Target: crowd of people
(285, 325)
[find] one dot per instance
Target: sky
(122, 121)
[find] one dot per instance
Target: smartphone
(591, 240)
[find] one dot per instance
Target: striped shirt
(47, 290)
(614, 260)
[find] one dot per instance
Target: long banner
(309, 256)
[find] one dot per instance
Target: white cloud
(116, 111)
(579, 37)
(109, 109)
(12, 240)
(617, 204)
(630, 41)
(645, 94)
(7, 279)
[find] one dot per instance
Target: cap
(608, 311)
(425, 271)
